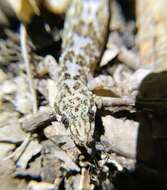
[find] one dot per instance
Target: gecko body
(84, 37)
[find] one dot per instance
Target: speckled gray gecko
(84, 37)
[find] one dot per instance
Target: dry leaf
(33, 185)
(31, 150)
(12, 132)
(68, 163)
(120, 135)
(33, 170)
(5, 148)
(109, 55)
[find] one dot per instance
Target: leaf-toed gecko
(84, 37)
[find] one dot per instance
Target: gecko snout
(82, 132)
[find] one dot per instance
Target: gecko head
(81, 124)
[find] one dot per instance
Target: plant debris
(38, 150)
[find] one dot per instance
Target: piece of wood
(38, 121)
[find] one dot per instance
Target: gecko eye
(91, 114)
(65, 121)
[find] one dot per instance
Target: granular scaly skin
(84, 37)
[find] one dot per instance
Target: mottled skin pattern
(84, 37)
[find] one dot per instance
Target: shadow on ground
(151, 166)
